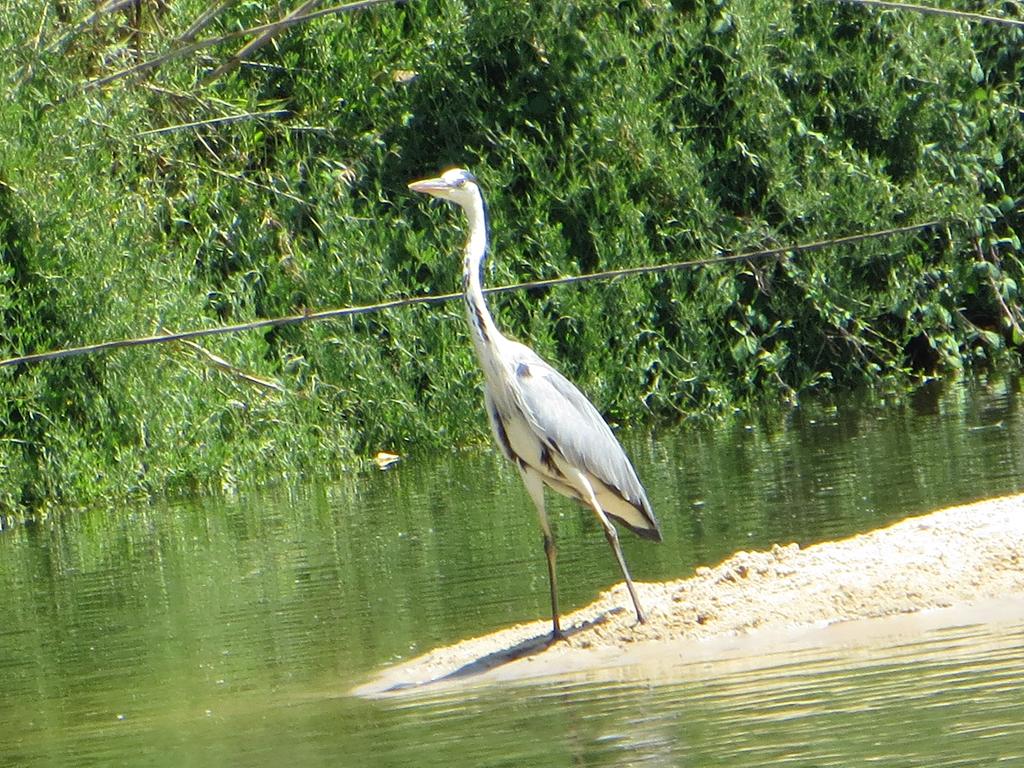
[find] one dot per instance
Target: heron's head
(456, 184)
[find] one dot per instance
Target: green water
(228, 633)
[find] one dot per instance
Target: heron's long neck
(482, 326)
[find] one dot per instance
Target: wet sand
(956, 565)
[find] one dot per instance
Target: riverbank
(954, 559)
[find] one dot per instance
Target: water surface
(229, 632)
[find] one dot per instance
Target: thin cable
(330, 314)
(929, 10)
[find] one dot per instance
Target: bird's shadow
(531, 646)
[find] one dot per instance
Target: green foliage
(606, 135)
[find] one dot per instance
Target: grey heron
(540, 420)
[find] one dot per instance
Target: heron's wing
(565, 420)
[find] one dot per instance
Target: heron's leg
(613, 539)
(535, 486)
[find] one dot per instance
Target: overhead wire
(331, 314)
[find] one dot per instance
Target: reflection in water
(902, 694)
(228, 632)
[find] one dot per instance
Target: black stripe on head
(487, 219)
(466, 176)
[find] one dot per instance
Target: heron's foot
(556, 635)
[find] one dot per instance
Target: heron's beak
(436, 187)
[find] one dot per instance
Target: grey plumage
(564, 421)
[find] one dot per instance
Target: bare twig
(260, 40)
(225, 120)
(29, 69)
(206, 100)
(267, 188)
(199, 45)
(39, 32)
(242, 179)
(61, 44)
(107, 8)
(203, 20)
(219, 363)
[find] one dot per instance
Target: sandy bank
(960, 556)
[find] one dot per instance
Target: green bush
(606, 136)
